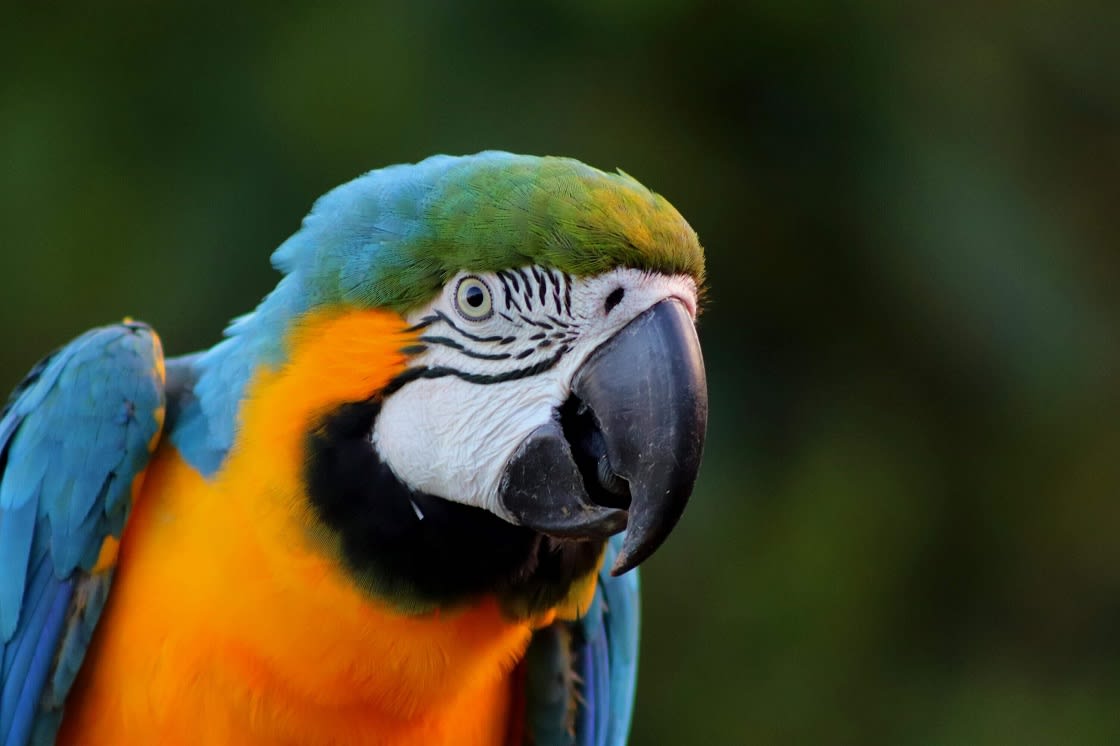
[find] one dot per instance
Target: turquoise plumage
(75, 434)
(79, 431)
(392, 237)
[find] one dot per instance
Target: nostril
(589, 450)
(613, 299)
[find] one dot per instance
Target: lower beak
(624, 451)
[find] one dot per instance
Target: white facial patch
(501, 350)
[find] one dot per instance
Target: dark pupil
(475, 296)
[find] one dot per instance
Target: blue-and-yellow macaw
(380, 511)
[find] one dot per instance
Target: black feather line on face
(527, 293)
(463, 332)
(511, 301)
(558, 322)
(534, 322)
(415, 374)
(445, 342)
(453, 555)
(424, 323)
(541, 289)
(555, 280)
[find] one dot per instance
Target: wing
(580, 676)
(74, 438)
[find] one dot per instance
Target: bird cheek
(451, 438)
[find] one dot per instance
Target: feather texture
(391, 238)
(582, 675)
(76, 439)
(73, 439)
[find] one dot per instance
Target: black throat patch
(421, 552)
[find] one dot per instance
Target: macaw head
(552, 392)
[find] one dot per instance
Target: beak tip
(621, 566)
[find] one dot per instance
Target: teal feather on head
(393, 237)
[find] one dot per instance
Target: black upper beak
(625, 450)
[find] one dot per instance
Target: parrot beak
(625, 448)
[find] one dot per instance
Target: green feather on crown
(393, 237)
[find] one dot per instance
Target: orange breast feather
(229, 621)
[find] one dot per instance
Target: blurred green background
(907, 529)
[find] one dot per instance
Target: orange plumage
(232, 622)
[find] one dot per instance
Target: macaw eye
(472, 299)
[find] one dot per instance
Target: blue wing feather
(582, 675)
(20, 657)
(621, 596)
(73, 437)
(595, 697)
(45, 625)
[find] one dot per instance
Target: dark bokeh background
(908, 525)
